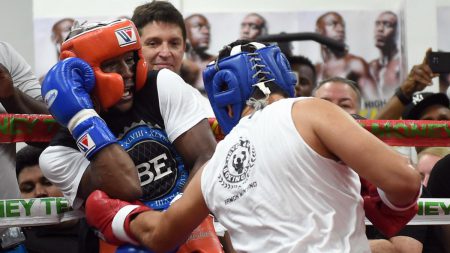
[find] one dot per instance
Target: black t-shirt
(78, 238)
(141, 132)
(439, 187)
(439, 181)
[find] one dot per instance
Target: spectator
(343, 64)
(418, 79)
(52, 238)
(163, 36)
(427, 106)
(306, 72)
(340, 91)
(427, 158)
(345, 94)
(19, 93)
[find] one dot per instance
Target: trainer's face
(163, 46)
(251, 27)
(385, 30)
(123, 65)
(198, 32)
(33, 184)
(333, 26)
(306, 82)
(340, 94)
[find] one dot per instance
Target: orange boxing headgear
(98, 42)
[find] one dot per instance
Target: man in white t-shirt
(19, 93)
(279, 181)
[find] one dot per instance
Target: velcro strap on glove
(395, 207)
(90, 131)
(120, 224)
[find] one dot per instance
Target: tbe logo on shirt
(126, 36)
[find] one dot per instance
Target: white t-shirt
(25, 81)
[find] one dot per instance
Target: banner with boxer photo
(49, 33)
(375, 55)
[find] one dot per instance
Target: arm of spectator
(418, 78)
(14, 100)
(396, 244)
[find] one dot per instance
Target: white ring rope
(46, 211)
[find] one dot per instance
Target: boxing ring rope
(45, 211)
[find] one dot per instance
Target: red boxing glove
(203, 239)
(111, 217)
(386, 217)
(217, 131)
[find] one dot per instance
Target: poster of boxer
(375, 55)
(49, 33)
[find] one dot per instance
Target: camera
(439, 62)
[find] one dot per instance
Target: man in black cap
(428, 106)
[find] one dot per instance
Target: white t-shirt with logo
(274, 193)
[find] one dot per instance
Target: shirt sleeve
(64, 167)
(180, 106)
(20, 70)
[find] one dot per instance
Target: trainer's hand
(6, 83)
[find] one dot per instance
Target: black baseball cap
(423, 100)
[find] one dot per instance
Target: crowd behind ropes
(135, 99)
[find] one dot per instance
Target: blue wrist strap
(93, 135)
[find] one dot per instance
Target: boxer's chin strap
(259, 104)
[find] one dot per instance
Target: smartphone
(439, 62)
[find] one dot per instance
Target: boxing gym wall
(415, 34)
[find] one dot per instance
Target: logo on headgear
(125, 36)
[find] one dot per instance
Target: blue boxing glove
(66, 89)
